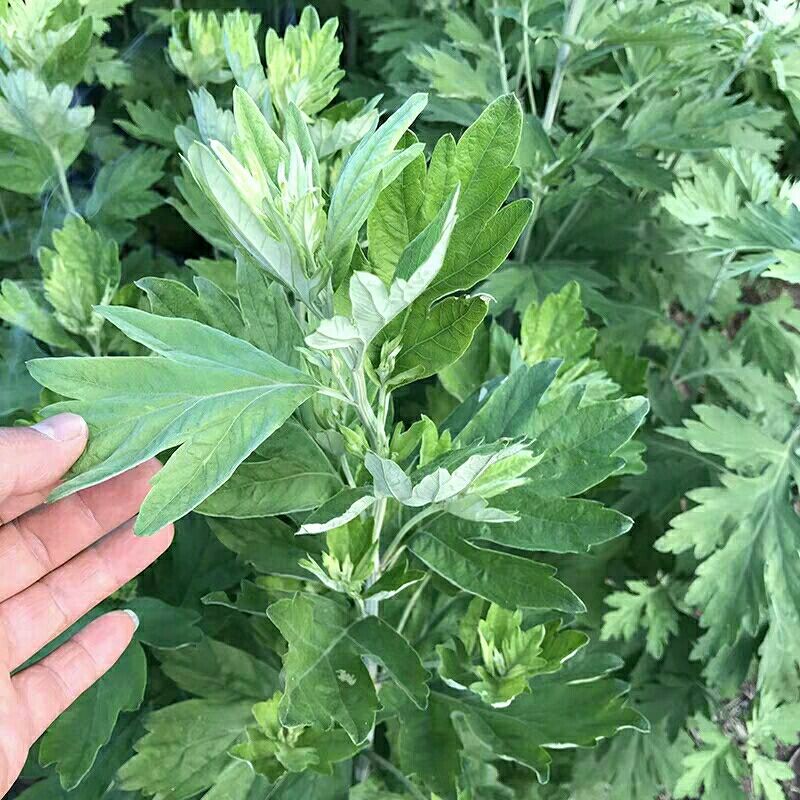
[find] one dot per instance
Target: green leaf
(579, 449)
(394, 580)
(510, 408)
(509, 581)
(164, 626)
(73, 741)
(18, 391)
(219, 672)
(550, 524)
(149, 124)
(22, 305)
(397, 217)
(123, 191)
(746, 526)
(255, 143)
(442, 337)
(521, 733)
(485, 233)
(373, 165)
(270, 545)
(185, 748)
(339, 510)
(373, 306)
(288, 473)
(41, 132)
(98, 780)
(640, 606)
(557, 328)
(83, 271)
(215, 396)
(171, 298)
(195, 47)
(717, 766)
(303, 67)
(273, 749)
(238, 781)
(326, 680)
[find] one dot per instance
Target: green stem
(394, 548)
(755, 42)
(437, 618)
(577, 207)
(526, 55)
(6, 221)
(571, 20)
(525, 241)
(62, 180)
(498, 45)
(412, 602)
(690, 332)
(392, 770)
(372, 605)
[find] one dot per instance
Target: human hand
(56, 563)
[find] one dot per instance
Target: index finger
(33, 459)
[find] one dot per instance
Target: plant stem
(577, 207)
(754, 42)
(6, 221)
(372, 604)
(525, 241)
(571, 20)
(412, 602)
(690, 332)
(498, 45)
(392, 551)
(62, 180)
(437, 618)
(392, 770)
(526, 55)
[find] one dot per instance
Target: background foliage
(643, 188)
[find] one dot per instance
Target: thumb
(34, 458)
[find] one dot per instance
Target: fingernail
(134, 617)
(62, 427)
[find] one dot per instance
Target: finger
(35, 616)
(49, 687)
(47, 537)
(13, 748)
(36, 457)
(16, 505)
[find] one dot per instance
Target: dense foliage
(467, 335)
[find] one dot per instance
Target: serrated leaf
(219, 414)
(123, 191)
(433, 343)
(83, 271)
(40, 131)
(557, 328)
(343, 507)
(509, 581)
(219, 672)
(73, 741)
(18, 391)
(185, 748)
(22, 305)
(550, 524)
(373, 165)
(326, 680)
(288, 473)
(644, 606)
